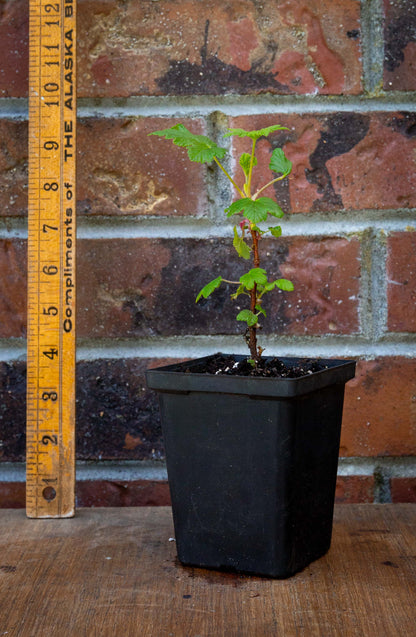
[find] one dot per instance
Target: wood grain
(113, 572)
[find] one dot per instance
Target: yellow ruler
(50, 431)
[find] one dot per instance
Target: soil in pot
(266, 368)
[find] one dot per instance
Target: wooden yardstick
(50, 431)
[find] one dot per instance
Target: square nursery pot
(252, 464)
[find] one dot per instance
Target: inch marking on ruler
(50, 429)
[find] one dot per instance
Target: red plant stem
(253, 298)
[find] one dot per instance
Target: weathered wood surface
(113, 572)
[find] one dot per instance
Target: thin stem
(254, 197)
(250, 172)
(230, 178)
(252, 329)
(233, 282)
(253, 297)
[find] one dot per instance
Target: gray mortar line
(345, 224)
(343, 346)
(129, 470)
(191, 347)
(366, 290)
(372, 20)
(229, 105)
(379, 285)
(202, 106)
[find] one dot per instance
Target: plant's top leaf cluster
(203, 149)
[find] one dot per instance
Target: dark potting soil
(266, 367)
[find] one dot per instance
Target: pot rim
(175, 378)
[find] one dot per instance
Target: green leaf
(261, 310)
(240, 290)
(282, 284)
(180, 135)
(255, 275)
(244, 162)
(254, 134)
(204, 150)
(276, 231)
(257, 210)
(285, 284)
(240, 245)
(274, 208)
(248, 316)
(279, 163)
(209, 288)
(236, 207)
(200, 148)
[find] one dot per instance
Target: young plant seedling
(253, 210)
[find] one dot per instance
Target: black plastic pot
(252, 465)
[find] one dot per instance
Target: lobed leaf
(179, 134)
(209, 288)
(279, 163)
(269, 286)
(254, 134)
(285, 284)
(204, 150)
(255, 210)
(253, 277)
(282, 284)
(200, 148)
(248, 316)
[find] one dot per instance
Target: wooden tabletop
(114, 572)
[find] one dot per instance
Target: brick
(399, 45)
(403, 489)
(13, 168)
(177, 47)
(117, 416)
(98, 493)
(354, 489)
(123, 171)
(401, 282)
(12, 411)
(147, 287)
(380, 409)
(118, 493)
(14, 37)
(12, 495)
(13, 282)
(341, 161)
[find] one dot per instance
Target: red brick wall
(341, 76)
